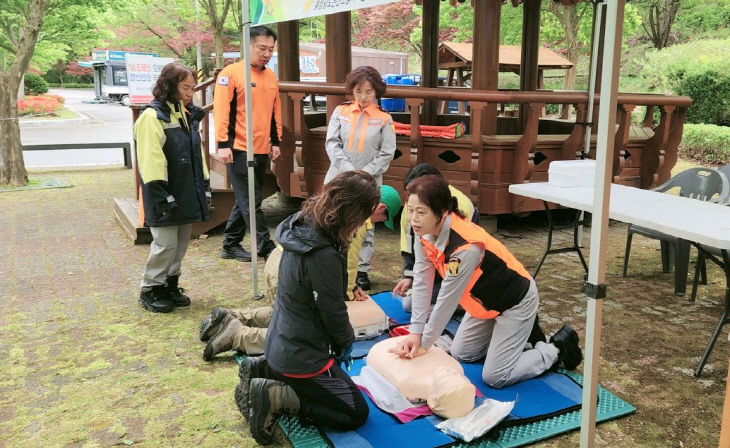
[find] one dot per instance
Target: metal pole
(246, 39)
(597, 17)
(601, 201)
(198, 52)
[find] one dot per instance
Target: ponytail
(454, 208)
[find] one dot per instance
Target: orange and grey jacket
(360, 140)
(229, 102)
(479, 273)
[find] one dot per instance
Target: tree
(658, 18)
(217, 11)
(387, 27)
(21, 23)
(41, 31)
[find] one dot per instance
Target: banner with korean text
(271, 11)
(142, 74)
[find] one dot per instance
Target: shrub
(706, 143)
(35, 85)
(700, 70)
(36, 105)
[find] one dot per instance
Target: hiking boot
(222, 340)
(362, 280)
(155, 299)
(270, 399)
(236, 253)
(175, 293)
(251, 367)
(211, 324)
(566, 340)
(537, 335)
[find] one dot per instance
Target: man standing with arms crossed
(229, 113)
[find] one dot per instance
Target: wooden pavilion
(495, 152)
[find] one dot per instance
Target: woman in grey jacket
(361, 136)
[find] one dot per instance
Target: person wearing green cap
(385, 212)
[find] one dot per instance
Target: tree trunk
(218, 41)
(12, 167)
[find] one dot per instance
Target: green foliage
(700, 70)
(72, 85)
(700, 16)
(706, 143)
(35, 85)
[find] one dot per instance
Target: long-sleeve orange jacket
(229, 113)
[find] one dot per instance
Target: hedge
(698, 69)
(35, 85)
(72, 85)
(41, 104)
(706, 143)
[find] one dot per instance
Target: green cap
(390, 197)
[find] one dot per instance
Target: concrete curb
(82, 119)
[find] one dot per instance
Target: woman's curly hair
(172, 74)
(362, 74)
(342, 205)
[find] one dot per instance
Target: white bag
(476, 423)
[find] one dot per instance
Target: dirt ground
(84, 365)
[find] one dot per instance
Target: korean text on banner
(271, 11)
(142, 74)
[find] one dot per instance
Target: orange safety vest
(497, 284)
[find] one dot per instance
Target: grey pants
(366, 251)
(167, 250)
(503, 340)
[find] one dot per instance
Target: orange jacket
(497, 284)
(229, 108)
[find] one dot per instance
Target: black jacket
(182, 197)
(310, 320)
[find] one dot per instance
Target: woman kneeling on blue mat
(310, 333)
(480, 274)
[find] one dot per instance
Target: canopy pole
(246, 51)
(595, 286)
(597, 17)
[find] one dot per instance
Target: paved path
(107, 123)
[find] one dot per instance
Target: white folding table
(699, 222)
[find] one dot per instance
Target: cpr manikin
(434, 377)
(367, 319)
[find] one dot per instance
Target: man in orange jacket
(229, 114)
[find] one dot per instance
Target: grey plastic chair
(704, 184)
(701, 267)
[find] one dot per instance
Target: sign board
(115, 55)
(142, 74)
(271, 11)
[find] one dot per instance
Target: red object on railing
(453, 131)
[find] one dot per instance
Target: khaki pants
(252, 337)
(167, 250)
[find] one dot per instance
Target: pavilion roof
(459, 54)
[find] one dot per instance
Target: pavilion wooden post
(338, 37)
(429, 61)
(288, 50)
(485, 57)
(530, 51)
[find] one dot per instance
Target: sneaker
(175, 293)
(222, 340)
(155, 299)
(251, 367)
(362, 280)
(566, 340)
(236, 253)
(210, 325)
(269, 400)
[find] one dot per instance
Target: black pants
(330, 398)
(240, 218)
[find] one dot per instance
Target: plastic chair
(700, 277)
(704, 184)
